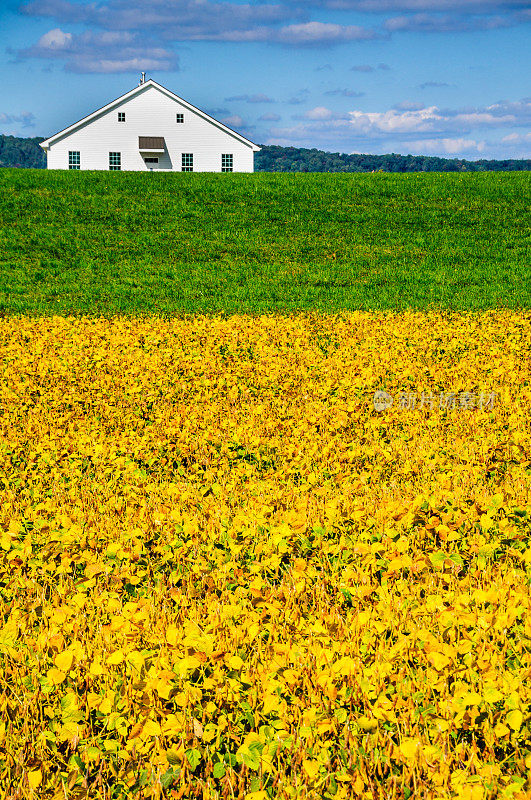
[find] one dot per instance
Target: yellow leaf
(210, 732)
(439, 661)
(198, 641)
(79, 600)
(174, 725)
(96, 668)
(60, 615)
(409, 747)
(367, 725)
(173, 757)
(107, 704)
(514, 719)
(151, 728)
(136, 659)
(343, 777)
(64, 660)
(271, 704)
(491, 694)
(55, 676)
(472, 698)
(34, 778)
(93, 700)
(474, 792)
(15, 527)
(5, 542)
(91, 570)
(345, 666)
(164, 689)
(136, 730)
(501, 729)
(311, 768)
(253, 631)
(235, 662)
(115, 658)
(395, 564)
(172, 634)
(184, 665)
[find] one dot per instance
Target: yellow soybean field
(225, 574)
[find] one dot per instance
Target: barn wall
(150, 113)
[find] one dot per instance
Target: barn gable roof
(137, 90)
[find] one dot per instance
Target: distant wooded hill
(273, 158)
(21, 152)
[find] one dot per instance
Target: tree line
(19, 152)
(25, 152)
(273, 158)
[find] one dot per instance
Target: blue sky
(435, 77)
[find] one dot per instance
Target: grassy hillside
(105, 243)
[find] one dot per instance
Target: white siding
(150, 113)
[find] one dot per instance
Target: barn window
(115, 161)
(121, 116)
(187, 162)
(226, 162)
(74, 159)
(179, 118)
(151, 160)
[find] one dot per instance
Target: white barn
(150, 128)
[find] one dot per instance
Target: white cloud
(323, 33)
(409, 105)
(303, 34)
(446, 23)
(109, 65)
(173, 19)
(345, 93)
(517, 138)
(446, 146)
(26, 119)
(319, 112)
(250, 98)
(435, 120)
(287, 22)
(55, 39)
(368, 67)
(203, 20)
(394, 121)
(236, 122)
(432, 130)
(420, 6)
(102, 51)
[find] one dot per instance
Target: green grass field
(135, 243)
